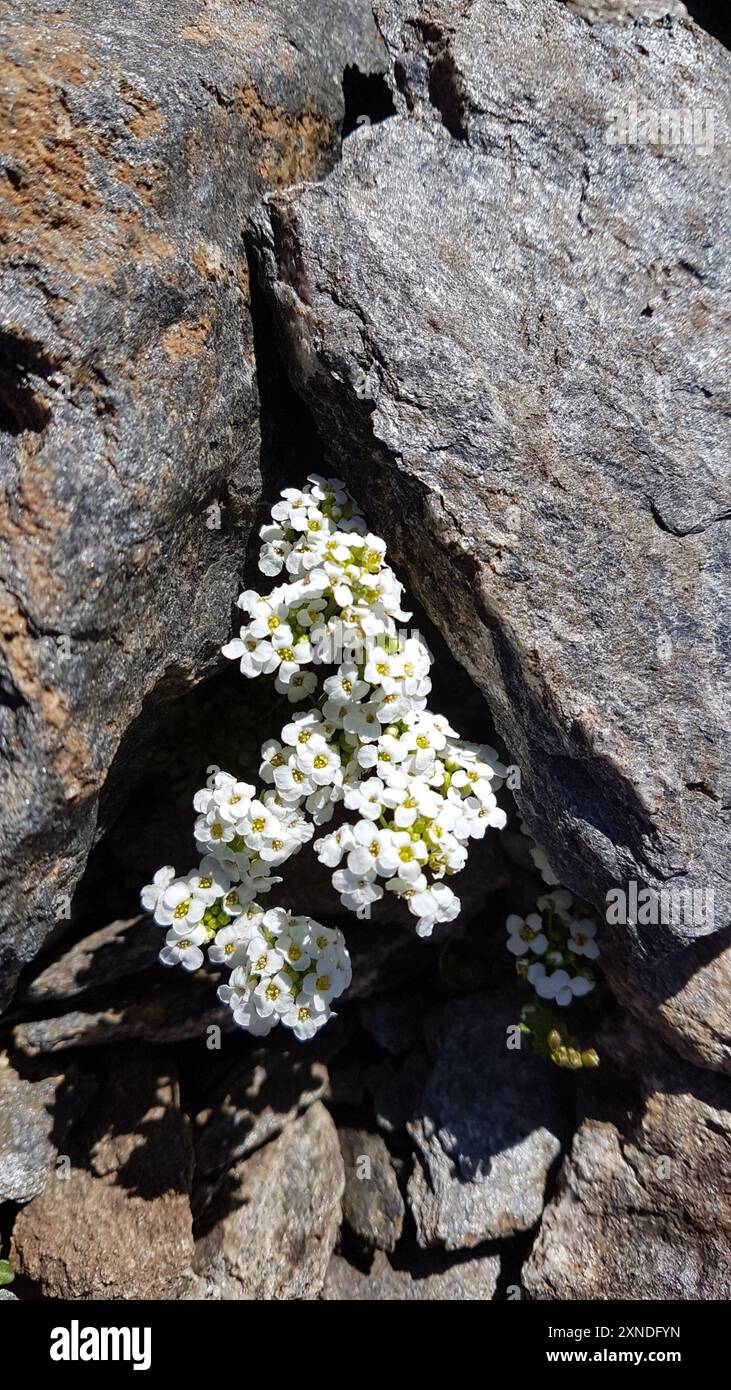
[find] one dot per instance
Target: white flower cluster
(285, 969)
(369, 745)
(553, 946)
(405, 795)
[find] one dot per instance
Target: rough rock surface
(27, 1124)
(97, 961)
(280, 1212)
(643, 1209)
(624, 11)
(137, 138)
(488, 1129)
(255, 1102)
(691, 1010)
(472, 1280)
(119, 1225)
(163, 1006)
(373, 1207)
(452, 305)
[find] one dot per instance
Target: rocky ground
(392, 241)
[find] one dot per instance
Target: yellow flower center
(182, 909)
(258, 824)
(320, 761)
(322, 982)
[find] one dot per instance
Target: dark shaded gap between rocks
(367, 98)
(22, 407)
(714, 16)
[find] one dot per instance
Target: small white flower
(558, 985)
(295, 684)
(582, 941)
(357, 891)
(184, 950)
(526, 934)
(179, 908)
(152, 892)
(229, 945)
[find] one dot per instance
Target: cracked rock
(505, 322)
(138, 138)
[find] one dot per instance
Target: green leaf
(6, 1273)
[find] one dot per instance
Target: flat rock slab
(487, 1131)
(163, 1006)
(115, 1222)
(474, 1280)
(507, 324)
(274, 1231)
(138, 138)
(97, 961)
(643, 1209)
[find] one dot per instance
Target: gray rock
(687, 1000)
(472, 1280)
(487, 1131)
(643, 1209)
(164, 1006)
(6, 1295)
(119, 1225)
(394, 1021)
(397, 1090)
(137, 140)
(624, 11)
(97, 961)
(254, 1103)
(373, 1207)
(452, 304)
(274, 1233)
(26, 1124)
(34, 1117)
